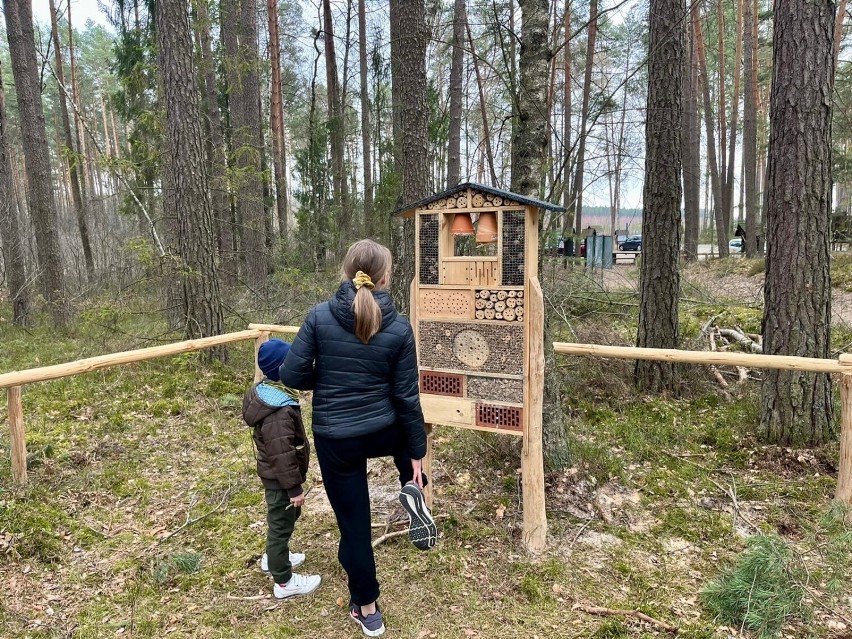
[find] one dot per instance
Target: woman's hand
(417, 467)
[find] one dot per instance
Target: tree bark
(728, 192)
(568, 219)
(276, 115)
(408, 67)
(797, 407)
(239, 34)
(704, 79)
(483, 108)
(336, 131)
(70, 153)
(216, 149)
(369, 223)
(10, 235)
(749, 131)
(691, 143)
(838, 32)
(456, 70)
(577, 191)
(659, 286)
(189, 179)
(40, 200)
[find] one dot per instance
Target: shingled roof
(506, 195)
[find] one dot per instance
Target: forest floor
(144, 518)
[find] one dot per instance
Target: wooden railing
(13, 381)
(841, 365)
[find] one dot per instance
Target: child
(272, 410)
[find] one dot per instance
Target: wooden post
(534, 533)
(260, 339)
(844, 474)
(16, 435)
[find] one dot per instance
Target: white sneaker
(296, 559)
(297, 586)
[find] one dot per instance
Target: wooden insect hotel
(478, 315)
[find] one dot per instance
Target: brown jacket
(282, 446)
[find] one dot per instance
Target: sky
(81, 11)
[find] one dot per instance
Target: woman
(358, 356)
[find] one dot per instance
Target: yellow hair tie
(362, 279)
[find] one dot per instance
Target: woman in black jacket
(357, 354)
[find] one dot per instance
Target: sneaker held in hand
(372, 625)
(297, 586)
(421, 527)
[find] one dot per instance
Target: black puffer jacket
(358, 388)
(282, 446)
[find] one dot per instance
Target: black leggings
(343, 463)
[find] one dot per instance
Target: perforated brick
(502, 417)
(434, 383)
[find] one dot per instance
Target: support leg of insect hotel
(259, 340)
(427, 467)
(17, 438)
(532, 458)
(844, 475)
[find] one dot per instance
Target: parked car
(736, 245)
(632, 243)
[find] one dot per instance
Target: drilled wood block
(447, 304)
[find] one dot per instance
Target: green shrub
(761, 590)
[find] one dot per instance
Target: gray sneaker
(421, 527)
(372, 625)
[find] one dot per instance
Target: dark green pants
(281, 520)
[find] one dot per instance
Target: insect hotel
(478, 315)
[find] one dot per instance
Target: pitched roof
(508, 195)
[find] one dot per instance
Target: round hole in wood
(471, 348)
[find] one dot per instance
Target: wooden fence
(841, 365)
(13, 381)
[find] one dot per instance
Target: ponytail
(366, 264)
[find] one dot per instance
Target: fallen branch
(390, 535)
(614, 612)
(253, 598)
(189, 522)
(741, 339)
(711, 337)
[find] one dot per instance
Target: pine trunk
(369, 224)
(456, 70)
(577, 194)
(408, 63)
(10, 235)
(659, 286)
(749, 131)
(70, 154)
(797, 407)
(336, 130)
(691, 143)
(728, 193)
(276, 115)
(704, 80)
(40, 200)
(189, 179)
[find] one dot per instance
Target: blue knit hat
(270, 356)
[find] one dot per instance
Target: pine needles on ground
(760, 591)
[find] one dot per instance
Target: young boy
(272, 410)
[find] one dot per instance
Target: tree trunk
(239, 34)
(749, 131)
(456, 70)
(336, 131)
(838, 31)
(408, 63)
(40, 200)
(728, 192)
(190, 196)
(568, 219)
(721, 227)
(797, 407)
(369, 223)
(659, 286)
(276, 115)
(577, 195)
(216, 149)
(723, 127)
(483, 109)
(75, 91)
(691, 144)
(10, 235)
(71, 156)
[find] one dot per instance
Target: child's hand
(298, 501)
